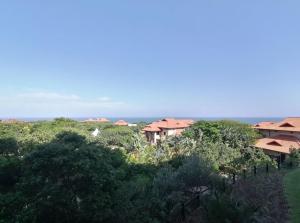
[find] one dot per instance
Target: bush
(293, 159)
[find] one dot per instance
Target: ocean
(248, 120)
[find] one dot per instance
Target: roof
(263, 124)
(168, 123)
(280, 143)
(102, 120)
(151, 128)
(121, 123)
(97, 120)
(288, 124)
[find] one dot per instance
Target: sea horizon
(248, 120)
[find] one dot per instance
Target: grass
(292, 190)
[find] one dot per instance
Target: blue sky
(149, 58)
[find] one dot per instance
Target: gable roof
(280, 143)
(288, 124)
(274, 143)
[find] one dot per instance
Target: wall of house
(156, 136)
(272, 133)
(170, 132)
(179, 131)
(149, 136)
(153, 137)
(271, 153)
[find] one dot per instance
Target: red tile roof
(263, 124)
(168, 123)
(102, 120)
(152, 128)
(280, 143)
(288, 124)
(121, 123)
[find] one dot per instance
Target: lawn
(292, 189)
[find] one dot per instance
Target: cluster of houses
(279, 137)
(104, 120)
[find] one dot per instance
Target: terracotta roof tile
(280, 143)
(102, 120)
(168, 123)
(121, 123)
(288, 124)
(262, 124)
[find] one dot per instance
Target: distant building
(160, 130)
(101, 120)
(280, 137)
(121, 123)
(89, 120)
(11, 121)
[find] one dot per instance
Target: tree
(234, 134)
(8, 146)
(294, 158)
(66, 183)
(10, 172)
(70, 138)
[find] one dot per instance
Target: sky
(170, 58)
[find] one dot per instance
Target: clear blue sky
(149, 58)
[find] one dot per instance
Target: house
(101, 120)
(279, 137)
(121, 123)
(161, 129)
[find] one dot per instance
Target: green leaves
(58, 172)
(68, 182)
(8, 146)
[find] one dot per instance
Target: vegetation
(294, 158)
(58, 172)
(292, 189)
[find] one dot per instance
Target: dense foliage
(59, 172)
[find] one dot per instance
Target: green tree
(8, 146)
(66, 183)
(294, 158)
